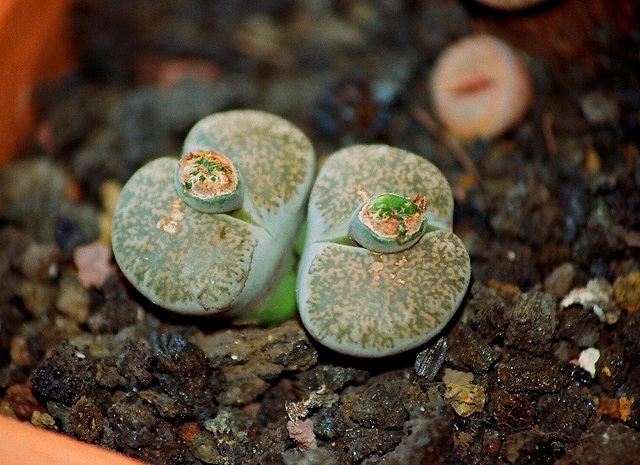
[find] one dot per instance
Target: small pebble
(618, 409)
(465, 397)
(43, 420)
(65, 375)
(595, 296)
(626, 291)
(22, 401)
(73, 298)
(560, 280)
(93, 262)
(40, 261)
(598, 108)
(532, 322)
(19, 351)
(36, 296)
(204, 448)
(301, 432)
(588, 359)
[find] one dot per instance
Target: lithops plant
(481, 87)
(209, 233)
(374, 303)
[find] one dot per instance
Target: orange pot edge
(35, 47)
(24, 444)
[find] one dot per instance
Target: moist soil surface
(541, 363)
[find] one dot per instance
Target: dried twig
(425, 119)
(547, 133)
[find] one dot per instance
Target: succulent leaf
(362, 302)
(191, 261)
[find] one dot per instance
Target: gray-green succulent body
(196, 262)
(371, 304)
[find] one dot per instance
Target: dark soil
(553, 231)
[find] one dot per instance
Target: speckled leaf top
(273, 156)
(370, 304)
(371, 170)
(159, 243)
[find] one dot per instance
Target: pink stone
(93, 262)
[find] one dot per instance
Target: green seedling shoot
(389, 222)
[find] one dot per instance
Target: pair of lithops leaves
(380, 273)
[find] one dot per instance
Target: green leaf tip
(389, 223)
(209, 182)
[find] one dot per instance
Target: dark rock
(88, 421)
(631, 339)
(429, 361)
(289, 346)
(235, 432)
(611, 368)
(579, 325)
(426, 435)
(112, 310)
(140, 433)
(107, 376)
(65, 376)
(605, 444)
(329, 423)
(532, 322)
(134, 363)
(134, 422)
(381, 404)
(489, 309)
(204, 447)
(334, 378)
(360, 443)
(524, 447)
(524, 372)
(252, 357)
(183, 372)
(165, 405)
(565, 414)
(272, 406)
(269, 447)
(512, 412)
(468, 350)
(165, 448)
(62, 415)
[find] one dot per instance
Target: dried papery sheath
(389, 223)
(209, 182)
